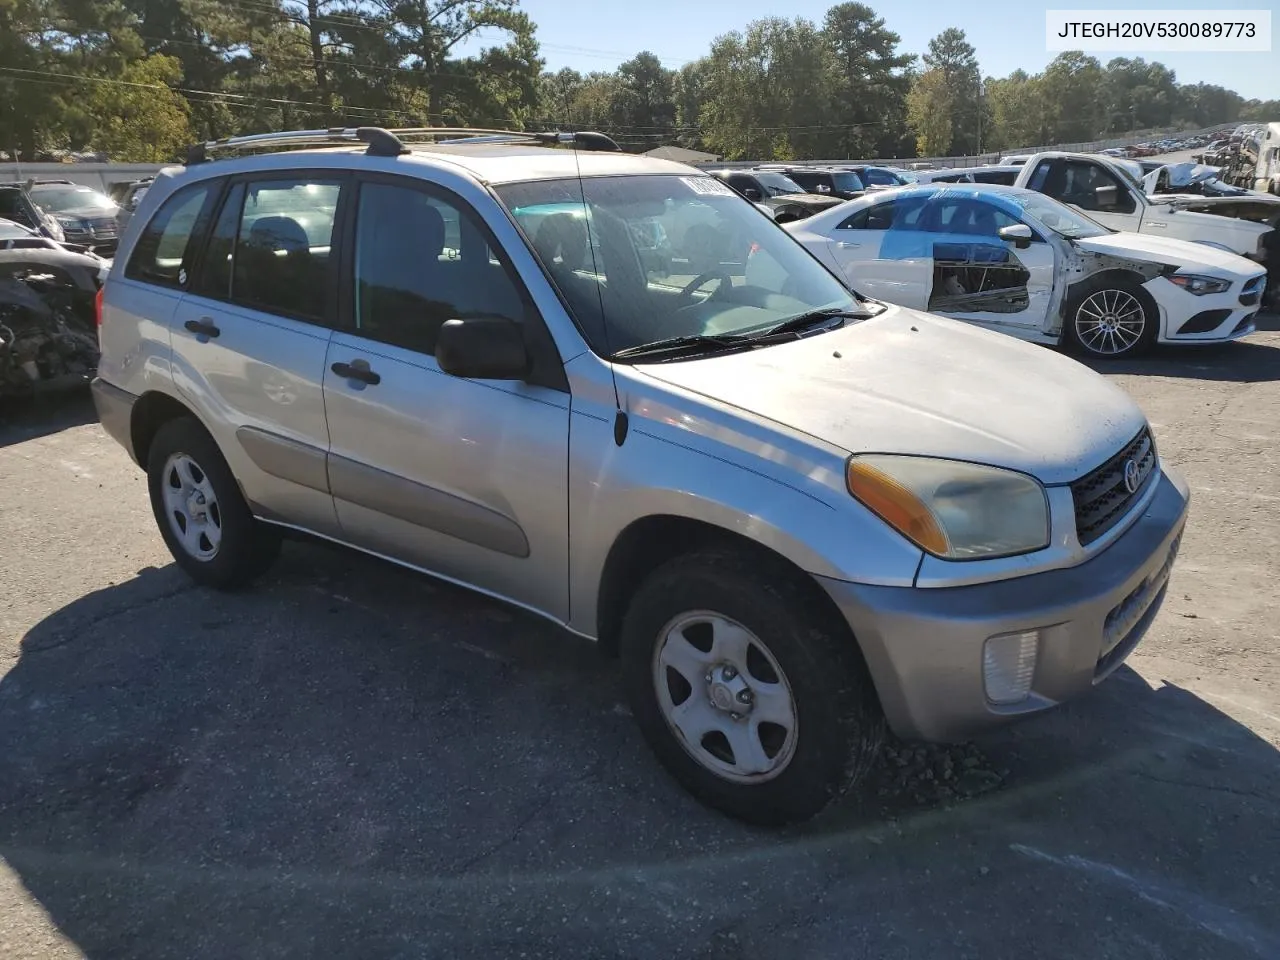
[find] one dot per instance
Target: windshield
(846, 181)
(778, 184)
(714, 265)
(1058, 217)
(59, 199)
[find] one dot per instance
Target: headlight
(954, 510)
(1199, 285)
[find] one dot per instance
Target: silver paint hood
(913, 383)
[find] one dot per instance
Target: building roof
(681, 155)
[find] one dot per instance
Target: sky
(1007, 34)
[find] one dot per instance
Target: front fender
(612, 486)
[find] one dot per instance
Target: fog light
(1008, 664)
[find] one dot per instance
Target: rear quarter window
(164, 250)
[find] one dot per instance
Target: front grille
(104, 227)
(1103, 496)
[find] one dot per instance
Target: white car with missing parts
(1020, 262)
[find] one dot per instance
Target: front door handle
(847, 244)
(358, 370)
(204, 327)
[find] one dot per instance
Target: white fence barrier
(100, 176)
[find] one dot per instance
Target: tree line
(140, 79)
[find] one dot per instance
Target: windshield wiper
(805, 321)
(681, 344)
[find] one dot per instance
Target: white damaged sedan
(1020, 262)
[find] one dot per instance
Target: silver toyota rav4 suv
(796, 515)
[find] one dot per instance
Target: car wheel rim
(1110, 322)
(725, 697)
(191, 507)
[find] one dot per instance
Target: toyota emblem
(1131, 479)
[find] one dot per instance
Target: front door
(979, 277)
(464, 478)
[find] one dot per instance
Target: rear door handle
(203, 327)
(359, 370)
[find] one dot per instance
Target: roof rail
(385, 142)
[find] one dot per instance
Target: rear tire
(1111, 318)
(200, 511)
(755, 761)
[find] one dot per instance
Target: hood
(86, 213)
(1179, 175)
(1168, 250)
(913, 383)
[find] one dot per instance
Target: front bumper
(924, 647)
(115, 411)
(1213, 318)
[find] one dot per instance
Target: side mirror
(1108, 197)
(751, 193)
(482, 348)
(823, 188)
(1019, 234)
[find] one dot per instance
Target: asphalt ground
(351, 760)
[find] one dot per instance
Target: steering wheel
(701, 280)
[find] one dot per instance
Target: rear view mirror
(483, 348)
(1019, 234)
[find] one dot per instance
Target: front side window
(271, 248)
(421, 260)
(969, 217)
(12, 207)
(847, 181)
(721, 267)
(166, 245)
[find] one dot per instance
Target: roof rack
(385, 142)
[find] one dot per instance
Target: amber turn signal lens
(897, 506)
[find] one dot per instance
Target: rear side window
(164, 249)
(272, 247)
(891, 215)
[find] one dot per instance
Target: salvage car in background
(1109, 192)
(785, 199)
(48, 334)
(87, 216)
(1017, 261)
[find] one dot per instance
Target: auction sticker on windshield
(707, 186)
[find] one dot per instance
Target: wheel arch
(1136, 274)
(648, 542)
(152, 411)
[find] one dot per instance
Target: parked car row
(793, 192)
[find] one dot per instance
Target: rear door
(884, 253)
(250, 339)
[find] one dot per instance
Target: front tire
(1112, 318)
(752, 698)
(200, 511)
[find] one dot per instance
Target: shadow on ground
(354, 761)
(25, 418)
(1243, 361)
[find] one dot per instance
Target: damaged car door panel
(1017, 261)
